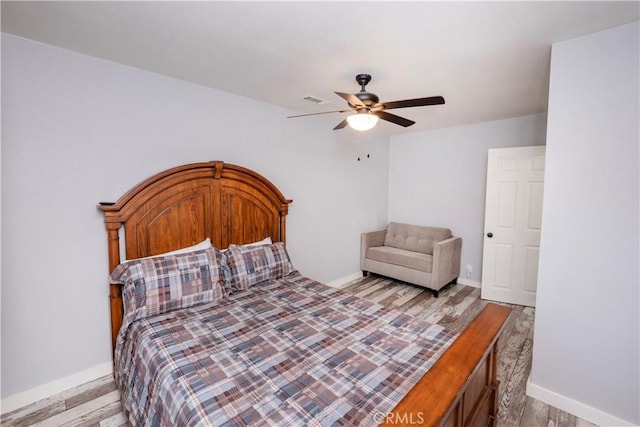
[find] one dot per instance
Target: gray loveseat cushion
(414, 238)
(409, 259)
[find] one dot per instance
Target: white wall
(77, 130)
(439, 177)
(586, 349)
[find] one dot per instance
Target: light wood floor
(98, 402)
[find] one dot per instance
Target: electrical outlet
(469, 270)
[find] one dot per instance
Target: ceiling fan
(368, 108)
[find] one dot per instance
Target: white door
(513, 215)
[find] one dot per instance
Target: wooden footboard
(461, 389)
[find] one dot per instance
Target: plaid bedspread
(291, 352)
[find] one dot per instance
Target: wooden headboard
(186, 204)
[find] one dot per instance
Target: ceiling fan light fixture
(362, 121)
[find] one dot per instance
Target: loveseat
(424, 256)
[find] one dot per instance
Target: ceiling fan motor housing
(367, 98)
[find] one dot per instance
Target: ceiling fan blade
(351, 99)
(315, 114)
(394, 119)
(417, 102)
(341, 125)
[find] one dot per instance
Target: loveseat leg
(365, 273)
(435, 293)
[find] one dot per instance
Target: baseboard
(341, 282)
(18, 400)
(574, 407)
(469, 282)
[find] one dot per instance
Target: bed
(248, 340)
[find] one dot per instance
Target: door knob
(489, 234)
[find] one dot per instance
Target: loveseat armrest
(369, 240)
(446, 261)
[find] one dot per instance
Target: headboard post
(113, 245)
(283, 225)
(115, 290)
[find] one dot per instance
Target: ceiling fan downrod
(367, 99)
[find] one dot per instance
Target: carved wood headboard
(186, 204)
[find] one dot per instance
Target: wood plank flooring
(98, 403)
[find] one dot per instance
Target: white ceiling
(490, 60)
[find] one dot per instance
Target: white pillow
(205, 244)
(265, 241)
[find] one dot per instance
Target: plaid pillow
(250, 265)
(166, 283)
